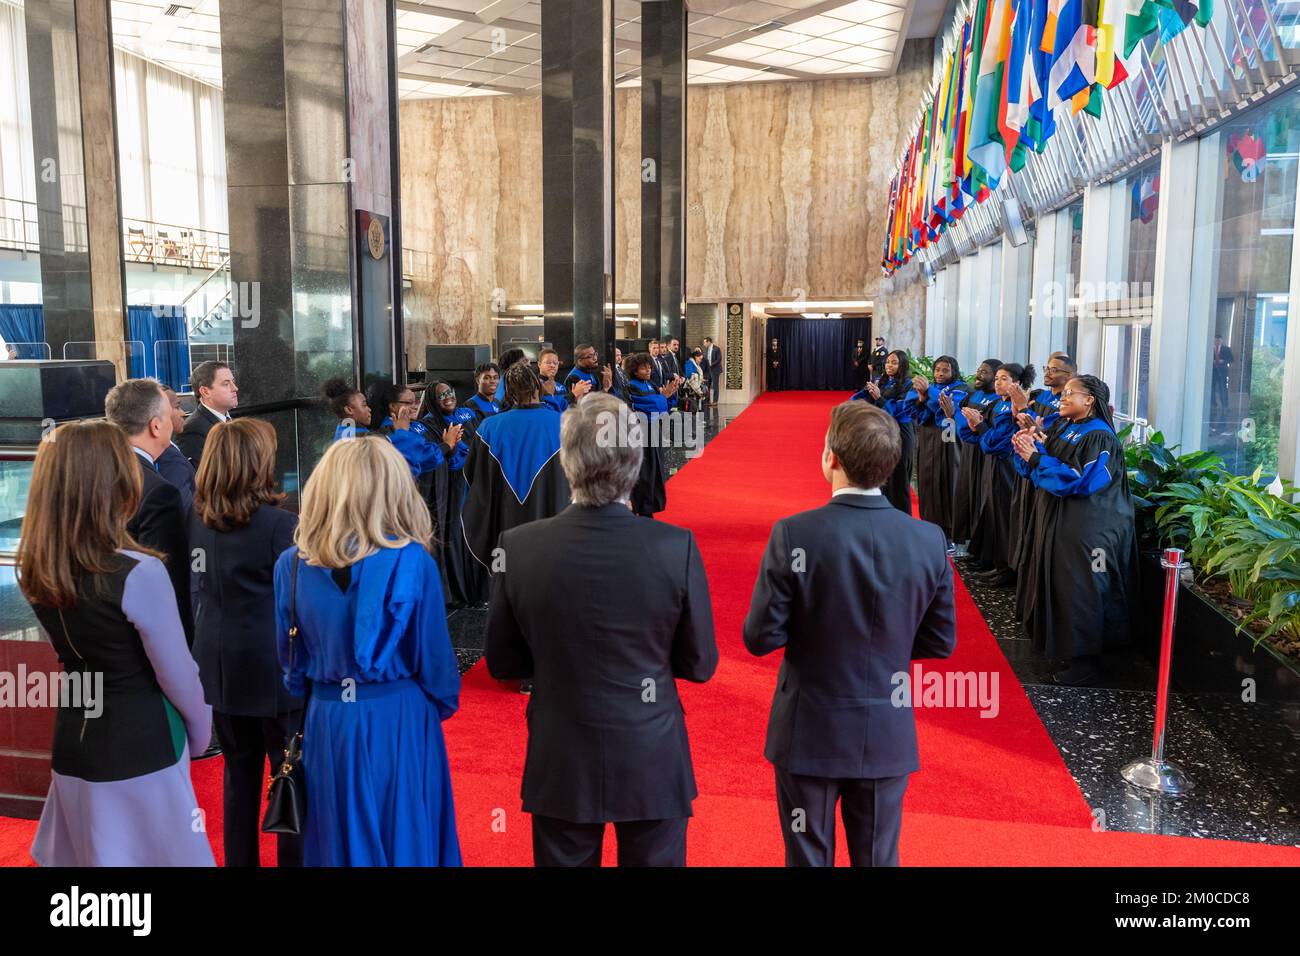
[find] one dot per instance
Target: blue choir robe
(347, 430)
(481, 408)
(376, 664)
(514, 476)
(992, 524)
(1081, 572)
(650, 493)
(1044, 404)
(938, 455)
(970, 473)
(559, 402)
(463, 581)
(581, 375)
(900, 402)
(422, 454)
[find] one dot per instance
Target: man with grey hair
(139, 407)
(606, 730)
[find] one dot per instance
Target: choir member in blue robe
(1083, 571)
(424, 453)
(463, 581)
(508, 360)
(938, 451)
(554, 394)
(970, 472)
(587, 375)
(650, 494)
(513, 473)
(996, 430)
(483, 403)
(893, 392)
(1036, 410)
(350, 407)
(372, 655)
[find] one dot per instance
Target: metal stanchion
(1157, 773)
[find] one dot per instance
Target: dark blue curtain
(24, 323)
(817, 353)
(166, 353)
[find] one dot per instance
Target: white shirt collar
(856, 491)
(143, 454)
(220, 417)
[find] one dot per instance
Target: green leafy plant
(1159, 476)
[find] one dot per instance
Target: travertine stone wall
(787, 184)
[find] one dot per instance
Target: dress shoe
(976, 567)
(990, 573)
(1082, 672)
(998, 579)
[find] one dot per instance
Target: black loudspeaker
(455, 364)
(37, 392)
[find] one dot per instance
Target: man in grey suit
(854, 591)
(605, 648)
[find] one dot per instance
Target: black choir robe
(993, 521)
(938, 456)
(1082, 569)
(463, 579)
(1043, 403)
(970, 470)
(513, 476)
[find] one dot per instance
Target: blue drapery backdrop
(158, 345)
(26, 324)
(166, 353)
(817, 354)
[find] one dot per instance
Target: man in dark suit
(606, 731)
(139, 407)
(172, 463)
(214, 387)
(1219, 375)
(878, 358)
(658, 375)
(712, 367)
(854, 591)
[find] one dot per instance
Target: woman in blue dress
(462, 578)
(893, 392)
(373, 658)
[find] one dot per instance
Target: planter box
(1210, 655)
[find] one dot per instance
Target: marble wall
(787, 185)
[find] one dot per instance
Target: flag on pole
(1015, 99)
(1042, 121)
(987, 148)
(1074, 54)
(1111, 28)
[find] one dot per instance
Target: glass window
(1254, 235)
(1139, 268)
(1075, 212)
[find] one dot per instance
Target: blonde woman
(120, 791)
(373, 657)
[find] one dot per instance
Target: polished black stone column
(663, 167)
(308, 103)
(74, 140)
(577, 174)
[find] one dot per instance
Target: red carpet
(991, 791)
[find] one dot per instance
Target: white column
(1173, 346)
(987, 316)
(1017, 266)
(966, 306)
(1099, 233)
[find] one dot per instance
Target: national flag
(1015, 98)
(974, 64)
(987, 147)
(1173, 19)
(1041, 124)
(1141, 19)
(1074, 53)
(1145, 198)
(1111, 28)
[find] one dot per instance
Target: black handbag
(286, 798)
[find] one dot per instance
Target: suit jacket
(712, 362)
(671, 364)
(197, 426)
(234, 614)
(161, 525)
(657, 377)
(176, 468)
(606, 729)
(873, 593)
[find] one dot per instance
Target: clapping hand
(548, 386)
(873, 390)
(973, 417)
(452, 435)
(1023, 441)
(921, 384)
(580, 388)
(1019, 400)
(946, 405)
(606, 377)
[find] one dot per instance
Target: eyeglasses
(1055, 368)
(446, 393)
